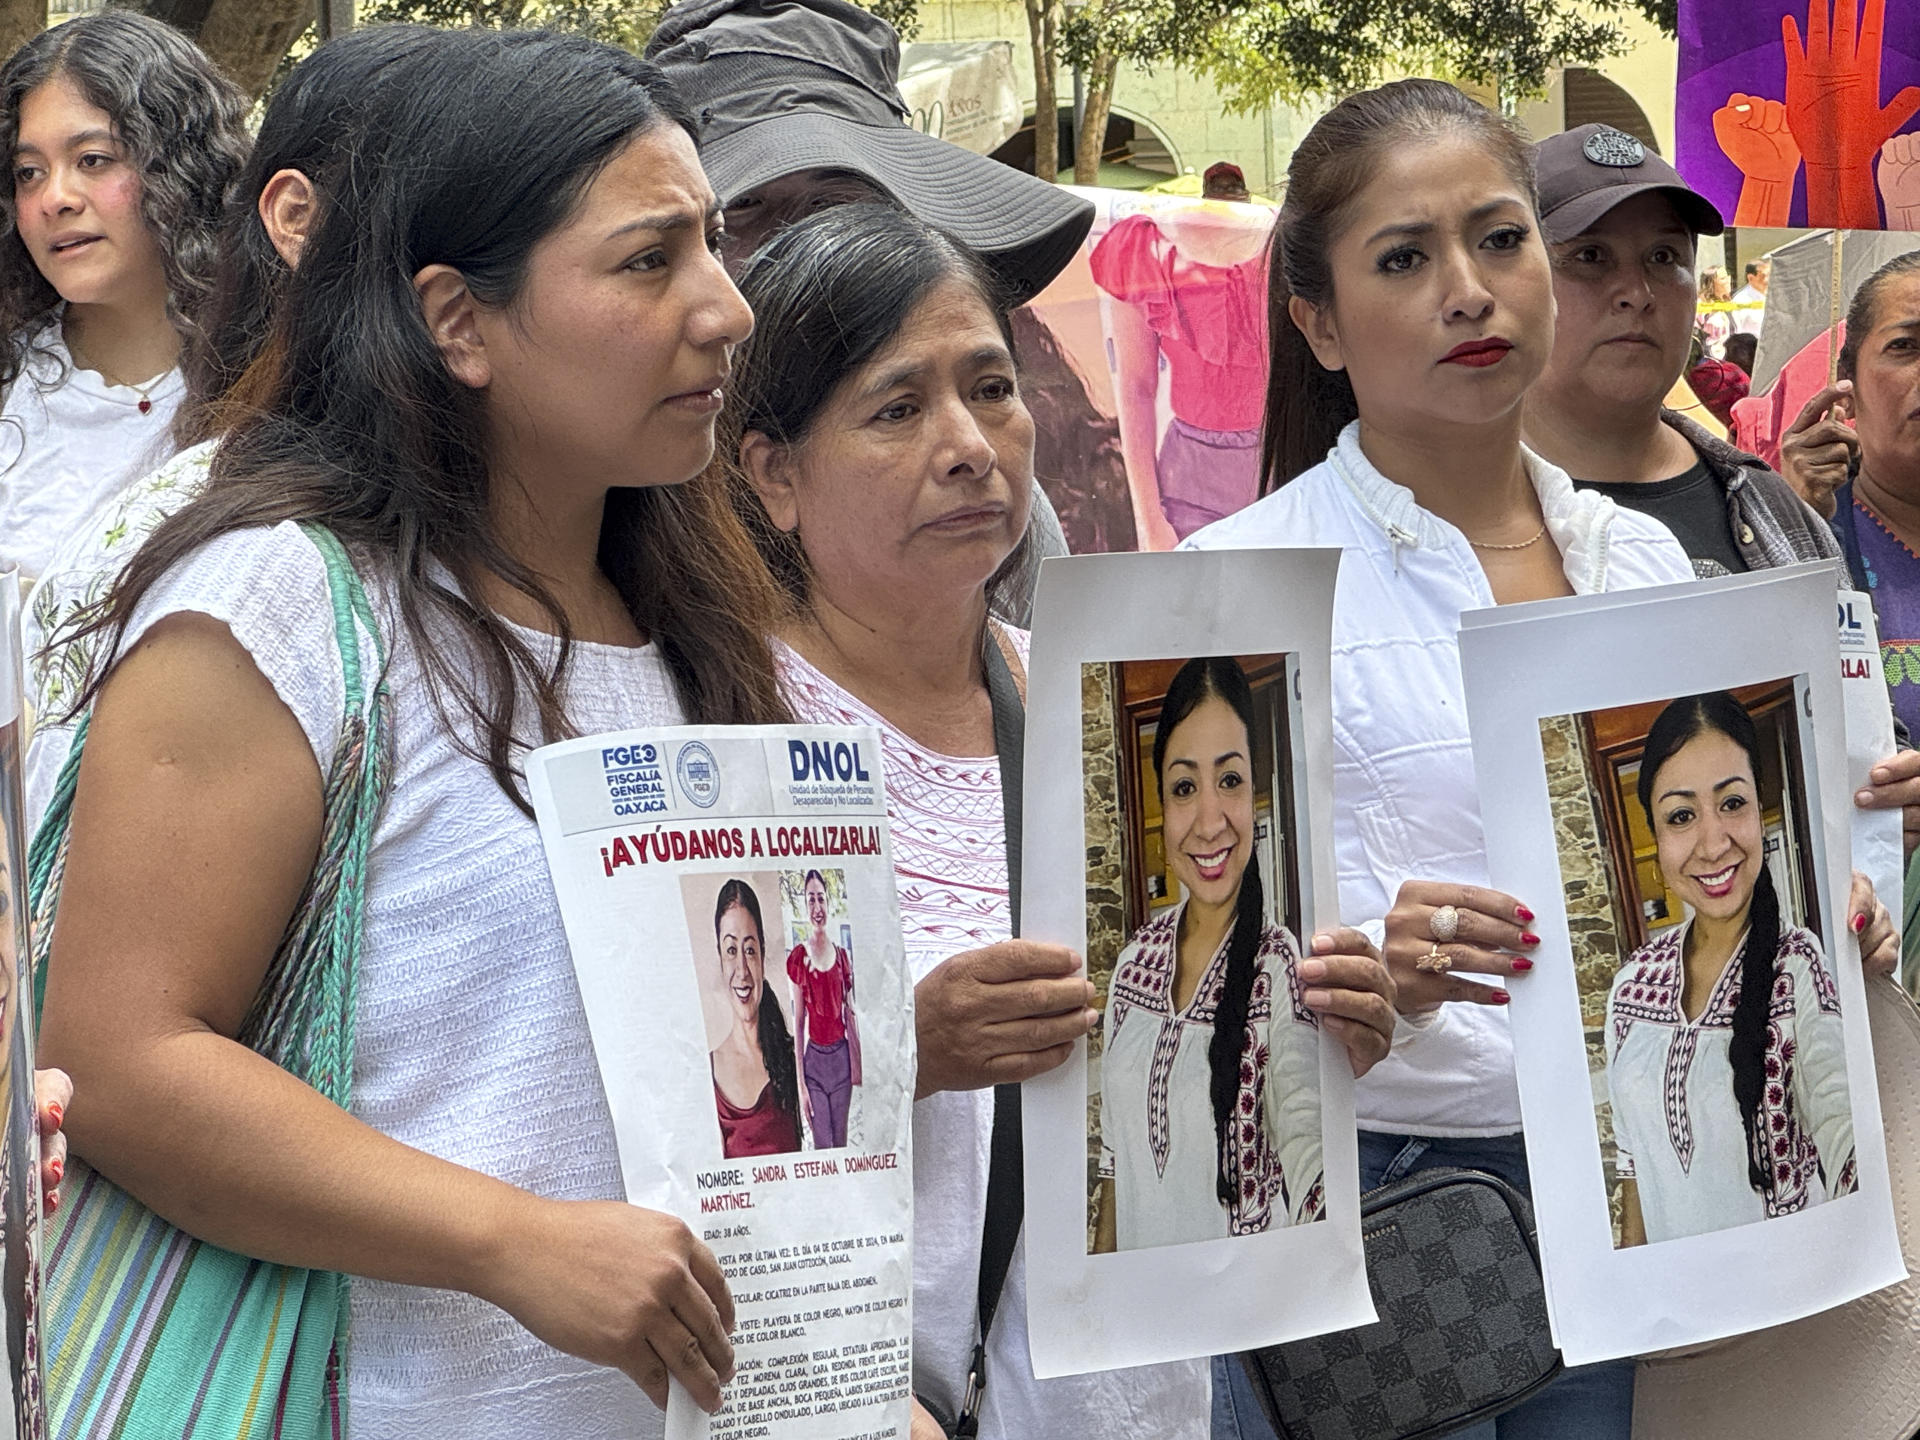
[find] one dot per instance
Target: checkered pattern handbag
(1462, 1333)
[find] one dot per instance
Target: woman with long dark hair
(884, 458)
(1411, 308)
(1726, 1058)
(123, 140)
(1217, 982)
(499, 361)
(755, 1088)
(826, 1032)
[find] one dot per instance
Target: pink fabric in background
(1760, 420)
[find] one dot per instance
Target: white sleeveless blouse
(472, 1042)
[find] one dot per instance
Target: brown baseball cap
(1583, 173)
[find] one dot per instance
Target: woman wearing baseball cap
(1621, 226)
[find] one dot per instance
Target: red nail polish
(57, 1169)
(1501, 997)
(53, 1201)
(1859, 923)
(1529, 939)
(1523, 915)
(1521, 964)
(56, 1114)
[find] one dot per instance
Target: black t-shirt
(1693, 507)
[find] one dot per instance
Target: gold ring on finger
(1444, 923)
(1435, 962)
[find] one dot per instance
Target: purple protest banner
(1802, 112)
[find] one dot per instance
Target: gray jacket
(1771, 525)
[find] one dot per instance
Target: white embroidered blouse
(1156, 1106)
(1676, 1122)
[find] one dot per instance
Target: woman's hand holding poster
(1696, 1074)
(731, 909)
(1178, 833)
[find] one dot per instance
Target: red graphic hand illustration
(1833, 107)
(1900, 181)
(1753, 132)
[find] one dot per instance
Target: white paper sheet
(1176, 1301)
(646, 833)
(1575, 658)
(1877, 851)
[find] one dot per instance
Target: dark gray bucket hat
(786, 85)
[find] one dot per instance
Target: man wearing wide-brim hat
(799, 107)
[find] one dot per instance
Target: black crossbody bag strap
(1006, 1199)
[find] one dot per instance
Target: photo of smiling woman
(826, 1038)
(1210, 1075)
(1725, 1056)
(755, 1090)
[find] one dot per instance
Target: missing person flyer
(730, 904)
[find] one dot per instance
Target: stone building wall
(1106, 875)
(1590, 887)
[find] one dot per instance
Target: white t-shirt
(1677, 1125)
(1752, 313)
(1156, 1097)
(950, 858)
(69, 442)
(472, 1041)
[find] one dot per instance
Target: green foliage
(1265, 51)
(626, 23)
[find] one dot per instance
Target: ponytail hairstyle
(776, 1040)
(1308, 405)
(1220, 677)
(1863, 312)
(1677, 724)
(182, 126)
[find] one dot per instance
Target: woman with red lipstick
(1215, 983)
(826, 1034)
(1411, 308)
(124, 140)
(755, 1089)
(1726, 1058)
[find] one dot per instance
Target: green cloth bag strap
(148, 1331)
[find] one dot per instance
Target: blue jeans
(1593, 1402)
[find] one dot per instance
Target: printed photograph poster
(1179, 785)
(1694, 1060)
(20, 1143)
(729, 901)
(1145, 366)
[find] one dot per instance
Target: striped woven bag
(150, 1332)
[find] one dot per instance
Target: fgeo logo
(698, 773)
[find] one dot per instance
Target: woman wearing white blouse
(1726, 1061)
(1210, 1082)
(124, 140)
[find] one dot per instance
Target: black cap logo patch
(1614, 148)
